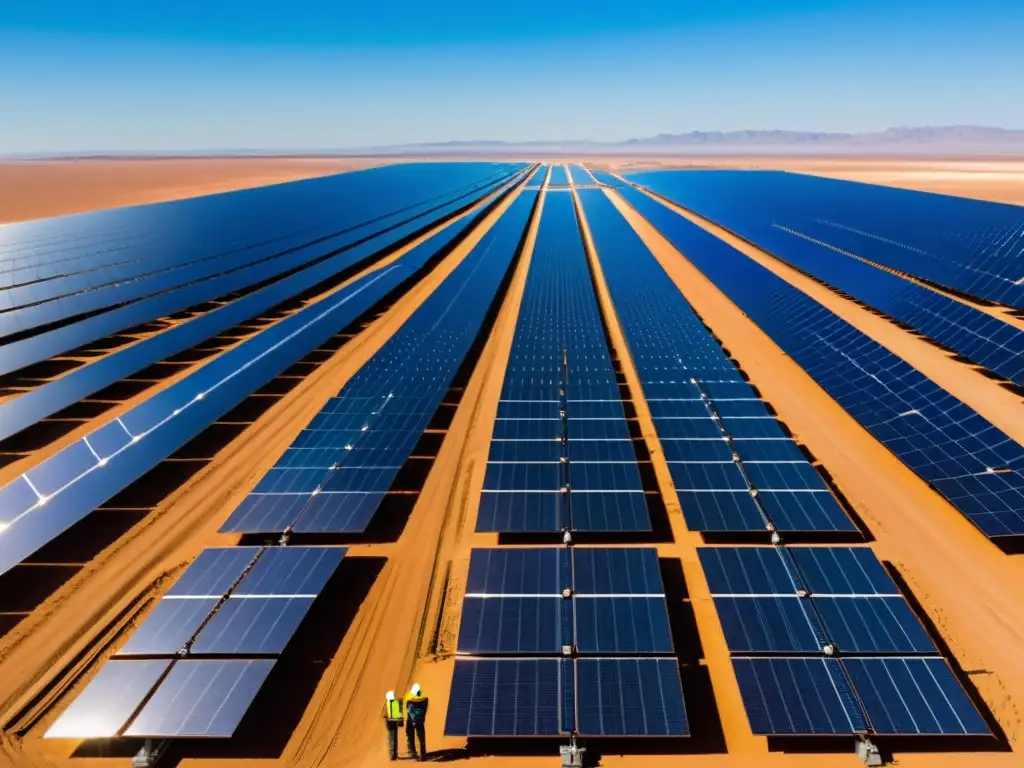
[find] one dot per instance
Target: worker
(415, 720)
(392, 720)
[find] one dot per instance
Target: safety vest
(394, 709)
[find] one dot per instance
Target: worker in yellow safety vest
(392, 720)
(415, 720)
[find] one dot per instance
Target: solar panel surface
(971, 246)
(384, 408)
(973, 464)
(709, 421)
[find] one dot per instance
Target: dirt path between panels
(971, 591)
(177, 529)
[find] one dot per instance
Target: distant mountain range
(967, 139)
(940, 140)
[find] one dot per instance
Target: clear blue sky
(273, 74)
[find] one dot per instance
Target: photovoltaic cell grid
(977, 467)
(176, 271)
(514, 604)
(885, 675)
(233, 602)
(733, 467)
(49, 498)
(787, 224)
(561, 453)
(44, 401)
(337, 471)
(971, 246)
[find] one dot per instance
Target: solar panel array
(972, 246)
(561, 452)
(977, 467)
(602, 610)
(538, 177)
(606, 178)
(338, 470)
(823, 642)
(165, 268)
(195, 665)
(788, 228)
(46, 400)
(733, 467)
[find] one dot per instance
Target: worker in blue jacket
(415, 720)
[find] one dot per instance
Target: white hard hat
(416, 689)
(390, 695)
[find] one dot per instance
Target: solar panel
(102, 709)
(558, 177)
(842, 571)
(298, 571)
(914, 696)
(721, 511)
(201, 699)
(214, 571)
(509, 697)
(873, 625)
(616, 571)
(769, 625)
(169, 627)
(520, 512)
(619, 512)
(749, 570)
(515, 625)
(797, 697)
(630, 697)
(944, 441)
(528, 571)
(252, 626)
(622, 625)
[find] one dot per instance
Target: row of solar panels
(561, 454)
(338, 470)
(241, 605)
(52, 496)
(47, 328)
(971, 246)
(50, 398)
(733, 467)
(977, 467)
(788, 228)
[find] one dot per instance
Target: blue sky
(137, 75)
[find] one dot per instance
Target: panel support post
(868, 752)
(149, 754)
(572, 755)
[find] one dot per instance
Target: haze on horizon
(185, 76)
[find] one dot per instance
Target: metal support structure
(572, 755)
(868, 752)
(150, 754)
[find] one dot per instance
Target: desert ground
(391, 615)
